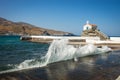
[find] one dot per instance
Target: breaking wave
(59, 50)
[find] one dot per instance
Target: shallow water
(97, 67)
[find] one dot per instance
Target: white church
(89, 26)
(90, 30)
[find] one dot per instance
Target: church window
(87, 28)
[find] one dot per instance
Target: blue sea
(84, 62)
(13, 51)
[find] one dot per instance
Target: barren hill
(21, 28)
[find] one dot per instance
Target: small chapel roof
(93, 25)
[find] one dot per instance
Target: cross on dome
(87, 22)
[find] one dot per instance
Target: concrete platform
(113, 42)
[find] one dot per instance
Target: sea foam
(59, 50)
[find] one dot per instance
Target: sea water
(13, 51)
(18, 55)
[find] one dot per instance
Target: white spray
(59, 50)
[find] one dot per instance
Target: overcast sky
(65, 15)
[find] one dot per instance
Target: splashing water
(59, 50)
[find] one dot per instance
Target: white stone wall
(115, 38)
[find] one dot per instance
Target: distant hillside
(20, 28)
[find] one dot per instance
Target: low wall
(114, 42)
(115, 38)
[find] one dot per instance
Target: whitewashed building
(89, 26)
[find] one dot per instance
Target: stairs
(101, 35)
(95, 33)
